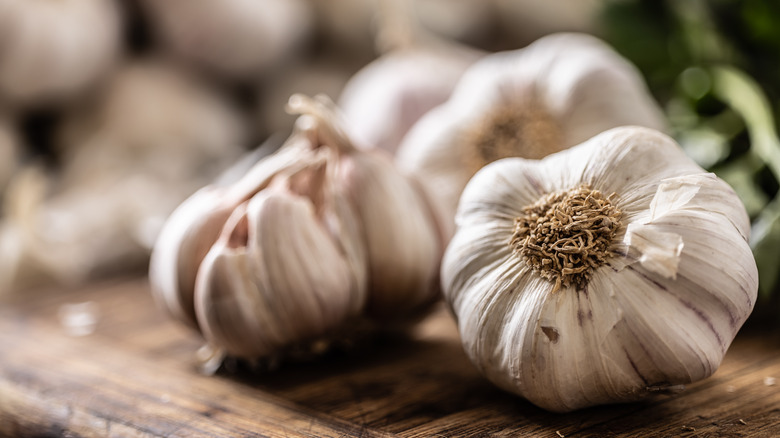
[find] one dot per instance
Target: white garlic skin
(661, 316)
(583, 84)
(55, 49)
(235, 38)
(383, 100)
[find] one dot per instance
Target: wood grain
(136, 376)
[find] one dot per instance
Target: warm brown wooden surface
(135, 376)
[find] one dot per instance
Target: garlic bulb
(601, 273)
(237, 38)
(54, 49)
(385, 98)
(553, 94)
(309, 240)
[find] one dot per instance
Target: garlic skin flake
(677, 282)
(553, 94)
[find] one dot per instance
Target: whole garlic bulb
(312, 238)
(553, 94)
(383, 100)
(237, 38)
(55, 49)
(601, 273)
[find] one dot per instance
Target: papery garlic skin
(55, 49)
(661, 311)
(559, 91)
(236, 38)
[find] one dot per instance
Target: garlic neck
(514, 129)
(565, 235)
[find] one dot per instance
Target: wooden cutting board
(135, 375)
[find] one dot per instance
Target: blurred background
(112, 112)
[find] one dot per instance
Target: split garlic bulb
(314, 237)
(237, 38)
(54, 49)
(553, 94)
(601, 273)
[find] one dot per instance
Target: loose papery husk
(660, 313)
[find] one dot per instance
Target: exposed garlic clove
(400, 234)
(649, 295)
(193, 228)
(531, 102)
(184, 241)
(278, 276)
(312, 245)
(55, 50)
(237, 38)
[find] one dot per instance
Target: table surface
(136, 375)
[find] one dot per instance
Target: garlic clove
(188, 234)
(402, 241)
(400, 234)
(194, 226)
(674, 285)
(275, 278)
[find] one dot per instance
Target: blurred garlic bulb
(155, 137)
(523, 21)
(54, 49)
(553, 94)
(467, 21)
(384, 99)
(346, 28)
(313, 237)
(237, 38)
(601, 273)
(312, 77)
(156, 118)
